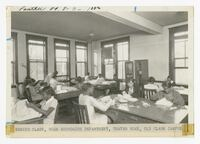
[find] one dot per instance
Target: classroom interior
(120, 47)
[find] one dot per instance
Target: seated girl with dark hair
(151, 84)
(86, 98)
(170, 94)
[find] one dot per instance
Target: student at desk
(53, 82)
(151, 84)
(100, 79)
(79, 83)
(170, 94)
(87, 99)
(47, 107)
(87, 77)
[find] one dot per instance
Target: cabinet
(141, 75)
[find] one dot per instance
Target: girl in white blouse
(87, 99)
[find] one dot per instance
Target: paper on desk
(164, 102)
(105, 99)
(180, 114)
(145, 104)
(61, 91)
(123, 107)
(21, 112)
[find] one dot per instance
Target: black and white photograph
(101, 66)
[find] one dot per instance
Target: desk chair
(81, 113)
(148, 93)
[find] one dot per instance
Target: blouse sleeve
(99, 105)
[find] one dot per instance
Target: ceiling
(69, 24)
(164, 18)
(80, 25)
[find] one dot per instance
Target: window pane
(37, 70)
(121, 70)
(95, 70)
(36, 52)
(36, 42)
(95, 64)
(108, 61)
(109, 71)
(108, 46)
(81, 69)
(179, 48)
(61, 53)
(181, 76)
(181, 33)
(122, 51)
(81, 55)
(179, 62)
(80, 47)
(95, 59)
(62, 45)
(61, 67)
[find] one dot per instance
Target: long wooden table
(136, 112)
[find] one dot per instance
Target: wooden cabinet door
(141, 69)
(141, 76)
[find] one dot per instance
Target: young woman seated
(46, 107)
(87, 99)
(100, 79)
(151, 84)
(170, 94)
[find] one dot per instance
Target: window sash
(31, 72)
(116, 45)
(84, 47)
(36, 40)
(82, 73)
(67, 67)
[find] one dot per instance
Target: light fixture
(91, 34)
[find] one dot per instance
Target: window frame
(45, 62)
(115, 51)
(67, 48)
(76, 62)
(15, 71)
(172, 58)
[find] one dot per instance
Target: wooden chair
(81, 113)
(148, 93)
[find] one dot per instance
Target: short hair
(166, 84)
(79, 79)
(152, 79)
(54, 74)
(86, 86)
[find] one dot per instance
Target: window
(62, 59)
(122, 57)
(108, 59)
(114, 55)
(14, 68)
(95, 63)
(179, 55)
(81, 59)
(37, 67)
